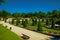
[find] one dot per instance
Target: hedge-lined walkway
(19, 31)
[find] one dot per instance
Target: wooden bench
(25, 36)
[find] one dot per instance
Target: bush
(17, 22)
(58, 21)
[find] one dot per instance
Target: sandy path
(33, 35)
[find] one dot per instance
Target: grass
(51, 30)
(32, 27)
(6, 34)
(45, 29)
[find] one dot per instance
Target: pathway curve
(19, 31)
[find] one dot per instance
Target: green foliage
(17, 22)
(33, 22)
(39, 27)
(47, 22)
(5, 14)
(45, 29)
(49, 15)
(16, 15)
(23, 15)
(58, 21)
(52, 23)
(2, 1)
(42, 19)
(54, 14)
(22, 21)
(5, 20)
(25, 23)
(51, 30)
(13, 21)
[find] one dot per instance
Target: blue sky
(30, 5)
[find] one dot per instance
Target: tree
(23, 15)
(41, 14)
(52, 23)
(16, 15)
(39, 27)
(42, 19)
(17, 22)
(2, 1)
(55, 13)
(30, 14)
(24, 23)
(5, 20)
(33, 22)
(12, 21)
(49, 15)
(58, 21)
(47, 22)
(59, 14)
(5, 14)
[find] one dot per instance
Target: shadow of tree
(55, 38)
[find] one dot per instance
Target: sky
(30, 5)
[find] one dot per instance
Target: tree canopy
(54, 14)
(2, 1)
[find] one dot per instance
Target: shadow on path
(55, 38)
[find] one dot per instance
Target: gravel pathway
(19, 31)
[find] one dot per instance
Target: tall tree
(52, 23)
(41, 14)
(49, 15)
(16, 15)
(58, 21)
(5, 20)
(5, 14)
(23, 15)
(24, 23)
(39, 27)
(55, 13)
(13, 21)
(47, 22)
(30, 14)
(33, 22)
(17, 22)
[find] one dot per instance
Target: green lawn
(51, 30)
(6, 34)
(45, 29)
(32, 27)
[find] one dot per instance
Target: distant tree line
(53, 14)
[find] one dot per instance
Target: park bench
(25, 37)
